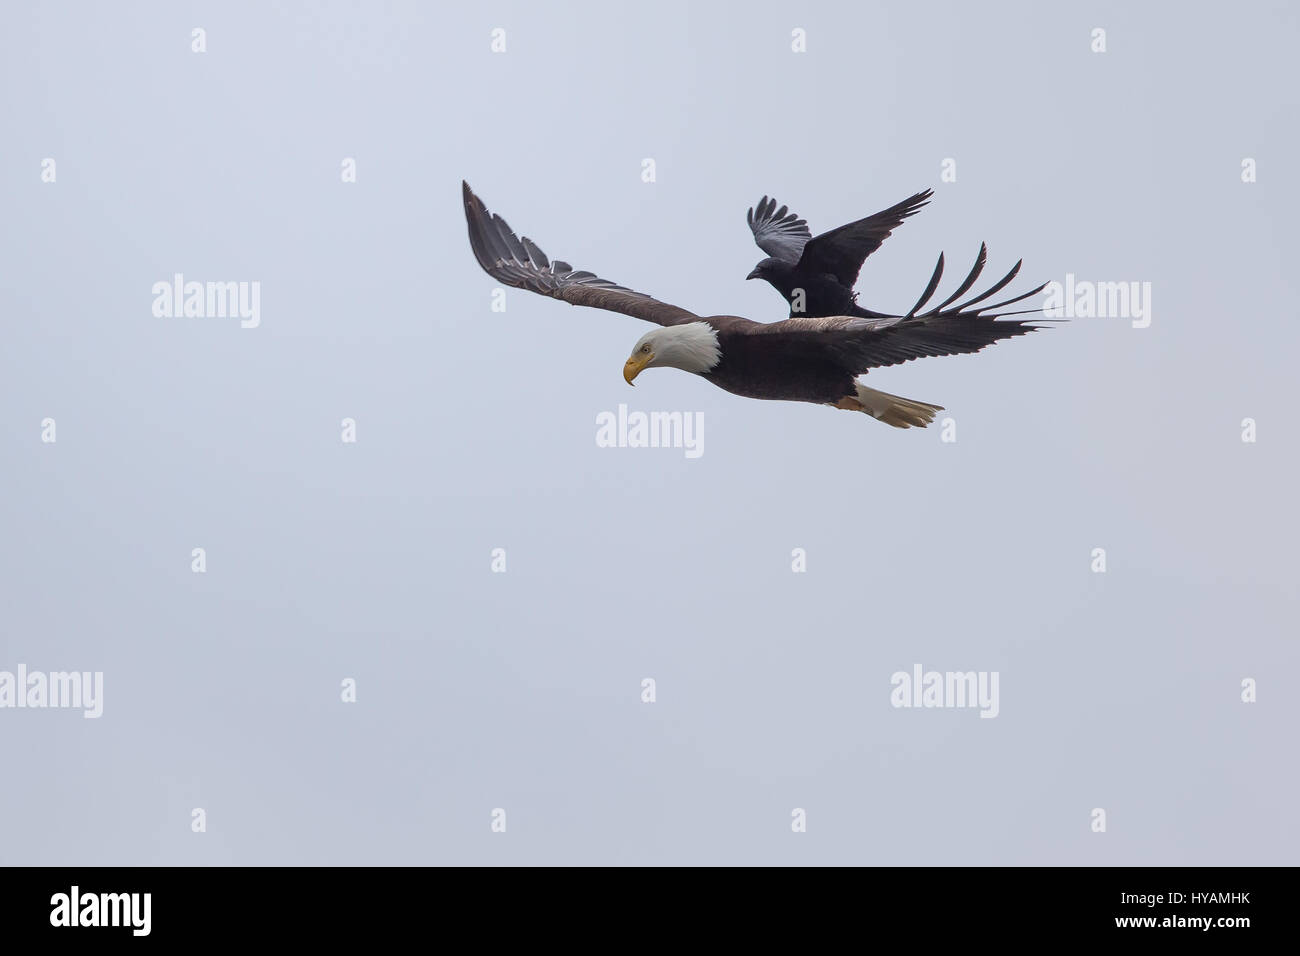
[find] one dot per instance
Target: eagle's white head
(692, 347)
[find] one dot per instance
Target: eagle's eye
(645, 348)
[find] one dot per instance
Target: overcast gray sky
(475, 430)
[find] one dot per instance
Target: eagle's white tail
(892, 410)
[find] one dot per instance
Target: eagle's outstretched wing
(519, 263)
(860, 344)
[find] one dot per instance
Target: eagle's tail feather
(894, 410)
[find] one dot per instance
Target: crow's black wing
(841, 251)
(778, 232)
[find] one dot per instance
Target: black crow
(816, 276)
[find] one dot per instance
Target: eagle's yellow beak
(633, 366)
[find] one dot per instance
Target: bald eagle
(803, 359)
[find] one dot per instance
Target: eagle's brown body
(760, 362)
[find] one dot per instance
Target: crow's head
(772, 270)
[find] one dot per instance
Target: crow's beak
(752, 275)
